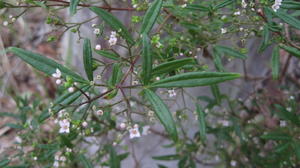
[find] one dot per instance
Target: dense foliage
(154, 60)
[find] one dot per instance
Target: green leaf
(197, 7)
(4, 162)
(162, 112)
(167, 157)
(216, 93)
(172, 65)
(277, 136)
(43, 63)
(114, 23)
(292, 21)
(193, 79)
(217, 60)
(114, 161)
(147, 59)
(88, 59)
(116, 75)
(223, 4)
(296, 146)
(286, 4)
(151, 16)
(15, 126)
(286, 115)
(229, 51)
(202, 125)
(108, 54)
(291, 50)
(275, 63)
(265, 40)
(73, 6)
(85, 162)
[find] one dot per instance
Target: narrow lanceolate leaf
(275, 63)
(114, 160)
(287, 4)
(230, 52)
(167, 157)
(201, 119)
(114, 23)
(85, 161)
(73, 6)
(292, 21)
(147, 59)
(172, 65)
(277, 136)
(294, 51)
(116, 75)
(151, 16)
(88, 59)
(223, 4)
(216, 93)
(197, 7)
(217, 60)
(108, 54)
(296, 146)
(162, 112)
(193, 79)
(43, 63)
(265, 39)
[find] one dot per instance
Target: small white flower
(223, 30)
(237, 13)
(181, 54)
(122, 125)
(282, 123)
(241, 28)
(135, 6)
(157, 78)
(134, 133)
(69, 150)
(5, 23)
(223, 17)
(135, 82)
(289, 109)
(63, 158)
(146, 130)
(292, 97)
(114, 144)
(184, 5)
(56, 164)
(35, 158)
(99, 112)
(233, 163)
(64, 126)
(275, 7)
(151, 113)
(13, 19)
(244, 4)
(94, 25)
(10, 16)
(71, 89)
(58, 81)
(97, 31)
(132, 103)
(61, 113)
(18, 139)
(57, 74)
(84, 124)
(98, 47)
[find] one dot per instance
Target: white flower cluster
(63, 122)
(57, 75)
(59, 160)
(134, 132)
(172, 93)
(276, 5)
(113, 39)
